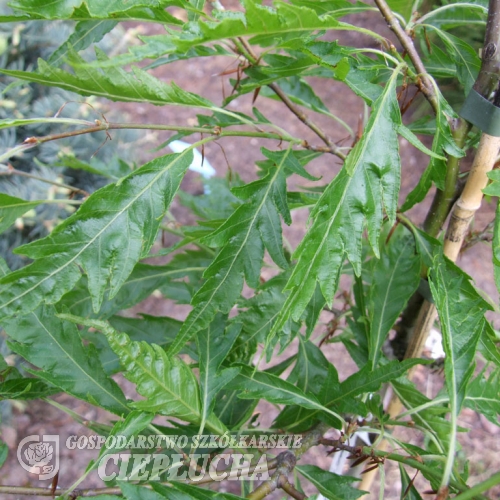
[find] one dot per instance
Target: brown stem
(424, 83)
(331, 147)
(487, 79)
(286, 486)
(303, 117)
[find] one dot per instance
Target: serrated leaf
(166, 381)
(347, 65)
(493, 189)
(284, 19)
(85, 34)
(214, 344)
(55, 347)
(134, 423)
(114, 83)
(23, 388)
(451, 15)
(253, 226)
(428, 414)
(461, 313)
(395, 277)
(330, 485)
(12, 208)
(112, 230)
(466, 60)
(141, 283)
(443, 142)
(368, 183)
(483, 396)
(308, 374)
(262, 385)
(487, 346)
(407, 134)
(97, 8)
(364, 381)
(152, 329)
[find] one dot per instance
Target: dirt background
(480, 445)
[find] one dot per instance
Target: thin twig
(303, 117)
(423, 83)
(216, 132)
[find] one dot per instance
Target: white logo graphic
(39, 457)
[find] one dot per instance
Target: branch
(359, 452)
(286, 462)
(247, 51)
(215, 132)
(424, 83)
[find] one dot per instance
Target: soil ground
(480, 445)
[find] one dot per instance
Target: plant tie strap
(481, 113)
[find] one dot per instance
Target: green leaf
(151, 329)
(451, 15)
(141, 283)
(483, 396)
(112, 230)
(426, 413)
(403, 7)
(443, 142)
(330, 485)
(84, 35)
(368, 182)
(23, 388)
(466, 60)
(214, 344)
(408, 490)
(487, 346)
(55, 347)
(395, 277)
(136, 492)
(493, 189)
(309, 374)
(340, 396)
(12, 208)
(4, 451)
(114, 84)
(284, 20)
(461, 314)
(347, 65)
(97, 8)
(253, 227)
(167, 383)
(261, 385)
(407, 134)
